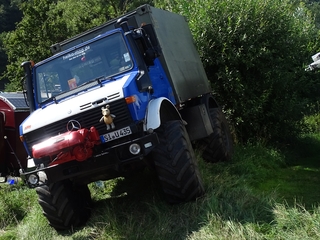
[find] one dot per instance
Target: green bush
(254, 53)
(312, 123)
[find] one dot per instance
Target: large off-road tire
(175, 164)
(65, 205)
(218, 147)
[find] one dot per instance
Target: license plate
(116, 134)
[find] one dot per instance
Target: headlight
(134, 148)
(33, 179)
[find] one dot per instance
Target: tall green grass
(258, 195)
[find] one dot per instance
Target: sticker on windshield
(126, 57)
(72, 83)
(78, 53)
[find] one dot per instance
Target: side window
(119, 61)
(48, 85)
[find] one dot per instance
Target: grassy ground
(265, 193)
(299, 179)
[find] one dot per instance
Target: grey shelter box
(179, 55)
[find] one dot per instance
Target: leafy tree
(254, 53)
(9, 16)
(117, 8)
(28, 40)
(46, 22)
(3, 61)
(314, 7)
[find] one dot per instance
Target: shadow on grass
(299, 180)
(136, 209)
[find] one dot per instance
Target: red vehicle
(13, 110)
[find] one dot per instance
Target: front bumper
(106, 164)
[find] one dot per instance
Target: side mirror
(316, 57)
(152, 38)
(315, 64)
(28, 83)
(148, 43)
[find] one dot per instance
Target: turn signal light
(130, 99)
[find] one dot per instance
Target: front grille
(87, 119)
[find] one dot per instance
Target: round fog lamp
(134, 148)
(33, 179)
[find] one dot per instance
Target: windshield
(99, 59)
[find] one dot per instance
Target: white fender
(153, 118)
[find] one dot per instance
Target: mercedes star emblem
(73, 125)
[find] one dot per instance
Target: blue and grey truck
(125, 95)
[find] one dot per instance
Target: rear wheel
(175, 164)
(218, 147)
(65, 205)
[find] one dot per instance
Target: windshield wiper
(98, 79)
(53, 98)
(76, 90)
